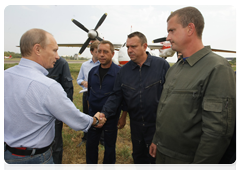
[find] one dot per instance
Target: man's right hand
(153, 150)
(85, 84)
(101, 118)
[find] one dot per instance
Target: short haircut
(94, 45)
(110, 44)
(140, 35)
(189, 15)
(30, 38)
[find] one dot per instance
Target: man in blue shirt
(32, 103)
(139, 83)
(100, 86)
(82, 78)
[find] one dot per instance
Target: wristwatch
(97, 121)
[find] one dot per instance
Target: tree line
(18, 55)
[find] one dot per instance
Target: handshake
(99, 120)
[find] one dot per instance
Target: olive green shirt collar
(198, 55)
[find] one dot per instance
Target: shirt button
(143, 124)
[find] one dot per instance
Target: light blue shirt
(32, 102)
(84, 70)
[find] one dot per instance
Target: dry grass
(71, 138)
(74, 158)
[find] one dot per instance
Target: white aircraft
(164, 47)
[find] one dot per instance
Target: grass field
(77, 155)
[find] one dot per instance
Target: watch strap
(97, 121)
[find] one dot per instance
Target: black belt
(28, 152)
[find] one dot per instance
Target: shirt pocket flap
(213, 105)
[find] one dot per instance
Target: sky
(219, 31)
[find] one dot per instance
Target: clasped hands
(102, 119)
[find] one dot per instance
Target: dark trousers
(141, 140)
(58, 143)
(85, 110)
(93, 137)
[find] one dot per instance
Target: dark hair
(190, 15)
(30, 38)
(110, 44)
(140, 35)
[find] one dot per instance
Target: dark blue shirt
(61, 73)
(141, 88)
(99, 91)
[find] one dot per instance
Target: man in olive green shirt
(197, 109)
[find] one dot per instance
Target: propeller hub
(92, 34)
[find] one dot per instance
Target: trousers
(58, 143)
(141, 140)
(44, 158)
(110, 137)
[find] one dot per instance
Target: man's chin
(48, 67)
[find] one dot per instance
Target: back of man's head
(30, 38)
(189, 15)
(140, 35)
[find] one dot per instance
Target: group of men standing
(183, 114)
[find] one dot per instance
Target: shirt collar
(193, 59)
(34, 65)
(91, 61)
(110, 71)
(147, 62)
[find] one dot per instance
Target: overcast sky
(219, 31)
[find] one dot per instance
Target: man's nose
(100, 54)
(129, 49)
(168, 38)
(57, 56)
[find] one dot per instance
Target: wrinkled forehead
(133, 40)
(104, 47)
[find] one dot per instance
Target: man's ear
(145, 45)
(191, 28)
(37, 49)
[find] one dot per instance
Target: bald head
(32, 37)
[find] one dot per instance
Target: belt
(27, 151)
